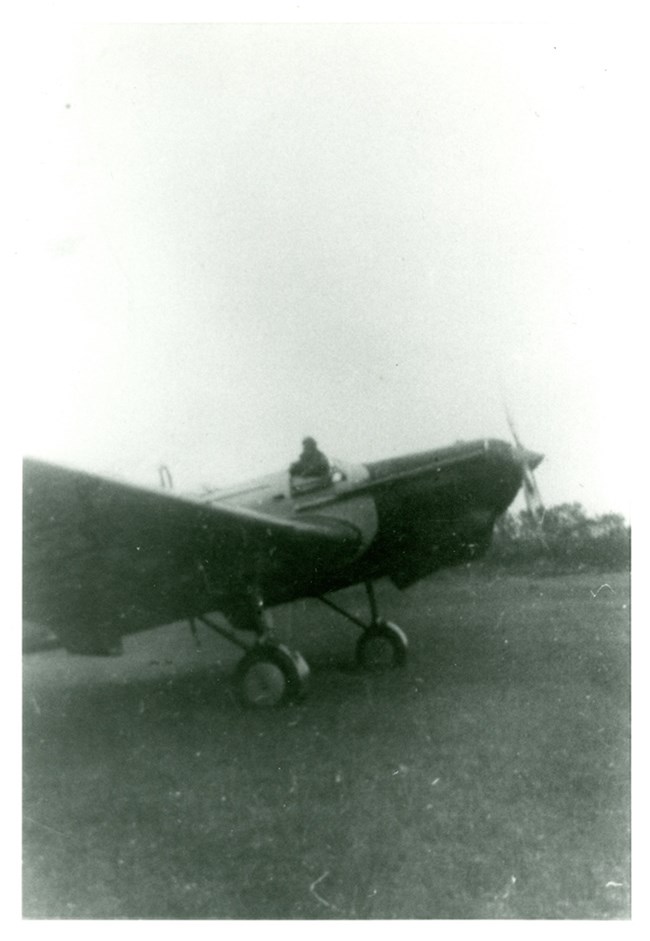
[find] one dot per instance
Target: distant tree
(566, 539)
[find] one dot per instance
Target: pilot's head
(309, 444)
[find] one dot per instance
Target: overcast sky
(233, 236)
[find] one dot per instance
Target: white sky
(234, 235)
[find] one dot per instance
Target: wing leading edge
(106, 558)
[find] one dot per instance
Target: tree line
(565, 539)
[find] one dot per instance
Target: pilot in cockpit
(311, 463)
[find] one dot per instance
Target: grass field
(489, 778)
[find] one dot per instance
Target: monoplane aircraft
(103, 559)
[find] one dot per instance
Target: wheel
(382, 647)
(271, 675)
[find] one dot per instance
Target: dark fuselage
(416, 514)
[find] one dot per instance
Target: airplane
(103, 559)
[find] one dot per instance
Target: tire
(271, 675)
(382, 647)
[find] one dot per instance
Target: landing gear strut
(270, 674)
(383, 645)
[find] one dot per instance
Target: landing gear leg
(269, 674)
(383, 645)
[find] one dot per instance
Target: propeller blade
(529, 461)
(531, 491)
(513, 430)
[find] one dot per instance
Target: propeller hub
(532, 458)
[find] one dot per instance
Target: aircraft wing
(107, 558)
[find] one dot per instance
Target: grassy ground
(487, 779)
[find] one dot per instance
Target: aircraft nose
(531, 459)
